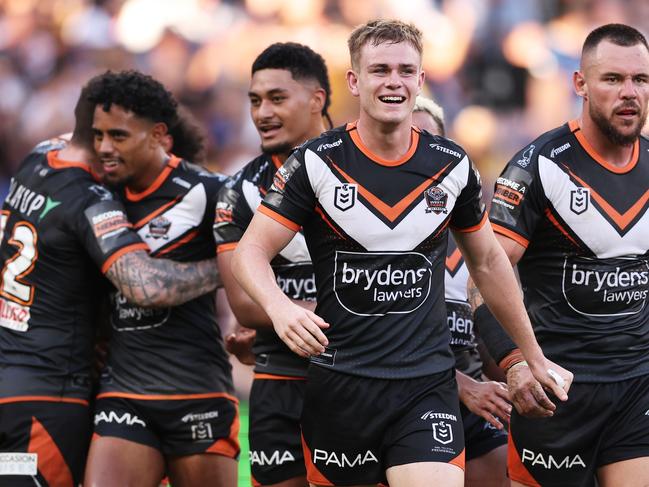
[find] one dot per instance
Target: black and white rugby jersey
(585, 271)
(237, 202)
(376, 231)
(458, 313)
(58, 228)
(177, 350)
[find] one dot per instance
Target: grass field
(244, 465)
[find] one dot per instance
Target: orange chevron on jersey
(585, 271)
(392, 212)
(622, 220)
(454, 260)
(377, 233)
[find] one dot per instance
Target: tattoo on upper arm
(161, 282)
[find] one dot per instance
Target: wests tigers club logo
(345, 196)
(159, 228)
(436, 199)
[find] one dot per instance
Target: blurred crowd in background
(501, 68)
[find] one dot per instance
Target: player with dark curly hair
(57, 222)
(289, 95)
(166, 396)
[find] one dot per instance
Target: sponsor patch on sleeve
(108, 223)
(110, 226)
(284, 173)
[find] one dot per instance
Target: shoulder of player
(549, 145)
(327, 141)
(437, 143)
(187, 175)
(255, 170)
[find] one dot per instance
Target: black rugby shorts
(600, 424)
(274, 434)
(48, 435)
(197, 423)
(480, 436)
(355, 428)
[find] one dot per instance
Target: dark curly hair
(135, 92)
(188, 139)
(302, 62)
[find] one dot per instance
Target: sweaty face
(617, 80)
(283, 109)
(387, 79)
(125, 146)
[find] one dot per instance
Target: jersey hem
(68, 400)
(168, 397)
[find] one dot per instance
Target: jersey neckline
(352, 129)
(276, 161)
(56, 163)
(172, 163)
(579, 134)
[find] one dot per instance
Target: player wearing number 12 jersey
(59, 226)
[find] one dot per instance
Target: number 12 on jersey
(23, 238)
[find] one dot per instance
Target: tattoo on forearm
(475, 298)
(161, 282)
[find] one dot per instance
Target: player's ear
(318, 100)
(352, 82)
(579, 84)
(159, 133)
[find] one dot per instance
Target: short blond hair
(423, 104)
(380, 31)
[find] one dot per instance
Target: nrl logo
(159, 228)
(579, 200)
(345, 196)
(442, 432)
(436, 199)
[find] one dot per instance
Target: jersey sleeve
(518, 201)
(469, 212)
(291, 198)
(233, 214)
(103, 228)
(214, 183)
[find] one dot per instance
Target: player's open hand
(300, 329)
(239, 343)
(489, 400)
